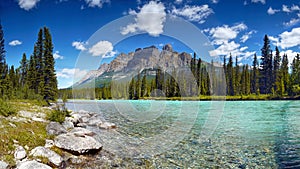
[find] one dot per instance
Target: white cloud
(225, 49)
(103, 49)
(272, 11)
(193, 13)
(15, 43)
(71, 73)
(274, 40)
(286, 9)
(292, 22)
(290, 39)
(178, 1)
(295, 8)
(79, 45)
(27, 4)
(150, 19)
(225, 33)
(290, 53)
(56, 55)
(96, 3)
(214, 1)
(245, 37)
(257, 1)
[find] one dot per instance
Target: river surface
(199, 134)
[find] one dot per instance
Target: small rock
(81, 125)
(33, 165)
(79, 131)
(77, 144)
(53, 157)
(94, 121)
(20, 153)
(49, 143)
(12, 125)
(3, 165)
(68, 125)
(38, 119)
(54, 128)
(107, 125)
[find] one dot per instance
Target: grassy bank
(25, 132)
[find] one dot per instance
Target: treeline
(34, 78)
(272, 76)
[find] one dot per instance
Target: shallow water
(211, 134)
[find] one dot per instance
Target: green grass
(6, 109)
(58, 115)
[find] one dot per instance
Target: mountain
(148, 58)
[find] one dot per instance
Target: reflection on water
(250, 134)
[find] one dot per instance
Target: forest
(34, 79)
(271, 77)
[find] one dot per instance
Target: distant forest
(34, 78)
(272, 77)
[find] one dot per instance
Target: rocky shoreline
(71, 146)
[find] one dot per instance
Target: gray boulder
(54, 128)
(77, 144)
(20, 153)
(68, 125)
(49, 143)
(53, 157)
(79, 131)
(3, 165)
(107, 125)
(33, 165)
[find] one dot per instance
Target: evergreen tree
(23, 70)
(254, 76)
(2, 55)
(276, 70)
(285, 73)
(49, 81)
(131, 90)
(230, 77)
(237, 77)
(266, 64)
(144, 86)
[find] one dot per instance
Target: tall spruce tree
(230, 77)
(266, 64)
(49, 81)
(285, 72)
(23, 70)
(276, 70)
(254, 76)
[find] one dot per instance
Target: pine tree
(266, 63)
(49, 81)
(2, 55)
(131, 90)
(285, 72)
(254, 76)
(276, 70)
(230, 77)
(23, 70)
(144, 86)
(237, 77)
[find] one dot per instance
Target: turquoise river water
(198, 134)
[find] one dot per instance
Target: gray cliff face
(146, 58)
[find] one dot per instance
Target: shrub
(58, 115)
(6, 108)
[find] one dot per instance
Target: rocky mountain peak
(168, 47)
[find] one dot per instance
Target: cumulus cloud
(27, 4)
(286, 9)
(79, 45)
(290, 39)
(56, 55)
(290, 54)
(103, 49)
(96, 3)
(274, 40)
(71, 73)
(15, 43)
(292, 22)
(257, 1)
(272, 11)
(225, 33)
(214, 1)
(246, 36)
(150, 19)
(193, 13)
(178, 1)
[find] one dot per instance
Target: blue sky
(235, 26)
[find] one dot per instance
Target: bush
(58, 115)
(6, 109)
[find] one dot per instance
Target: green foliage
(6, 109)
(58, 115)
